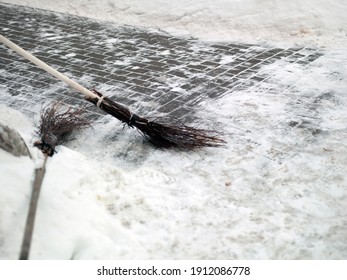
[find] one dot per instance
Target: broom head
(163, 132)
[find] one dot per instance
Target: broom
(162, 134)
(55, 128)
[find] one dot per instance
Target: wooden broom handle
(47, 68)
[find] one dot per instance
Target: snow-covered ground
(277, 190)
(305, 22)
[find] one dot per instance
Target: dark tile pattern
(149, 71)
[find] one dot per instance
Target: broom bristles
(160, 132)
(57, 125)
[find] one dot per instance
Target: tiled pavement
(149, 71)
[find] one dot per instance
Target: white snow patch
(166, 52)
(70, 55)
(227, 59)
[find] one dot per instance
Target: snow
(15, 190)
(303, 22)
(277, 190)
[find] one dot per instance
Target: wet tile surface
(149, 71)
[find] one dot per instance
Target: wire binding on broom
(159, 131)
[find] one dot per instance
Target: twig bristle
(57, 125)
